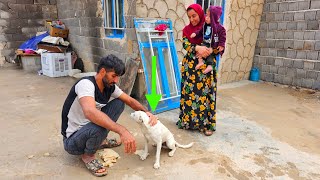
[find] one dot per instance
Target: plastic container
(56, 64)
(31, 63)
(254, 74)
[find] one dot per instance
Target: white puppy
(156, 134)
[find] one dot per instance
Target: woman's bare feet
(199, 65)
(208, 69)
(208, 132)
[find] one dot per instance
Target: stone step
(291, 15)
(279, 1)
(288, 53)
(293, 30)
(297, 5)
(277, 46)
(295, 80)
(266, 62)
(290, 35)
(297, 72)
(287, 62)
(293, 11)
(290, 25)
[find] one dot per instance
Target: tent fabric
(32, 42)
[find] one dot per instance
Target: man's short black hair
(112, 62)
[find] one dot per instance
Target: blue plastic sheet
(32, 42)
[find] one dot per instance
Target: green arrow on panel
(153, 98)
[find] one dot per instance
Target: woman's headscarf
(189, 29)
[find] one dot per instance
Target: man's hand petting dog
(153, 119)
(129, 141)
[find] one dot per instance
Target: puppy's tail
(184, 146)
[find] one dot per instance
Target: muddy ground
(264, 131)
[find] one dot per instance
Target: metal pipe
(162, 99)
(107, 12)
(148, 30)
(114, 14)
(152, 54)
(173, 78)
(117, 11)
(113, 28)
(104, 13)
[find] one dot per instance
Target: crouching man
(92, 109)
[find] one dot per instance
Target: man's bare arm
(90, 111)
(88, 105)
(135, 105)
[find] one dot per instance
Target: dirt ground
(264, 131)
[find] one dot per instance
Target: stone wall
(87, 36)
(288, 45)
(242, 20)
(19, 21)
(172, 9)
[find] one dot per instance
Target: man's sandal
(110, 143)
(94, 165)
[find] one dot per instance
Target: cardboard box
(52, 48)
(47, 24)
(56, 32)
(19, 52)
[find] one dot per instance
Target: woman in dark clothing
(198, 90)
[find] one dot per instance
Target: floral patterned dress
(198, 93)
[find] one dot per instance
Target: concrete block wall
(287, 50)
(242, 20)
(84, 18)
(19, 21)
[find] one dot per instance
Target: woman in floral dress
(198, 90)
